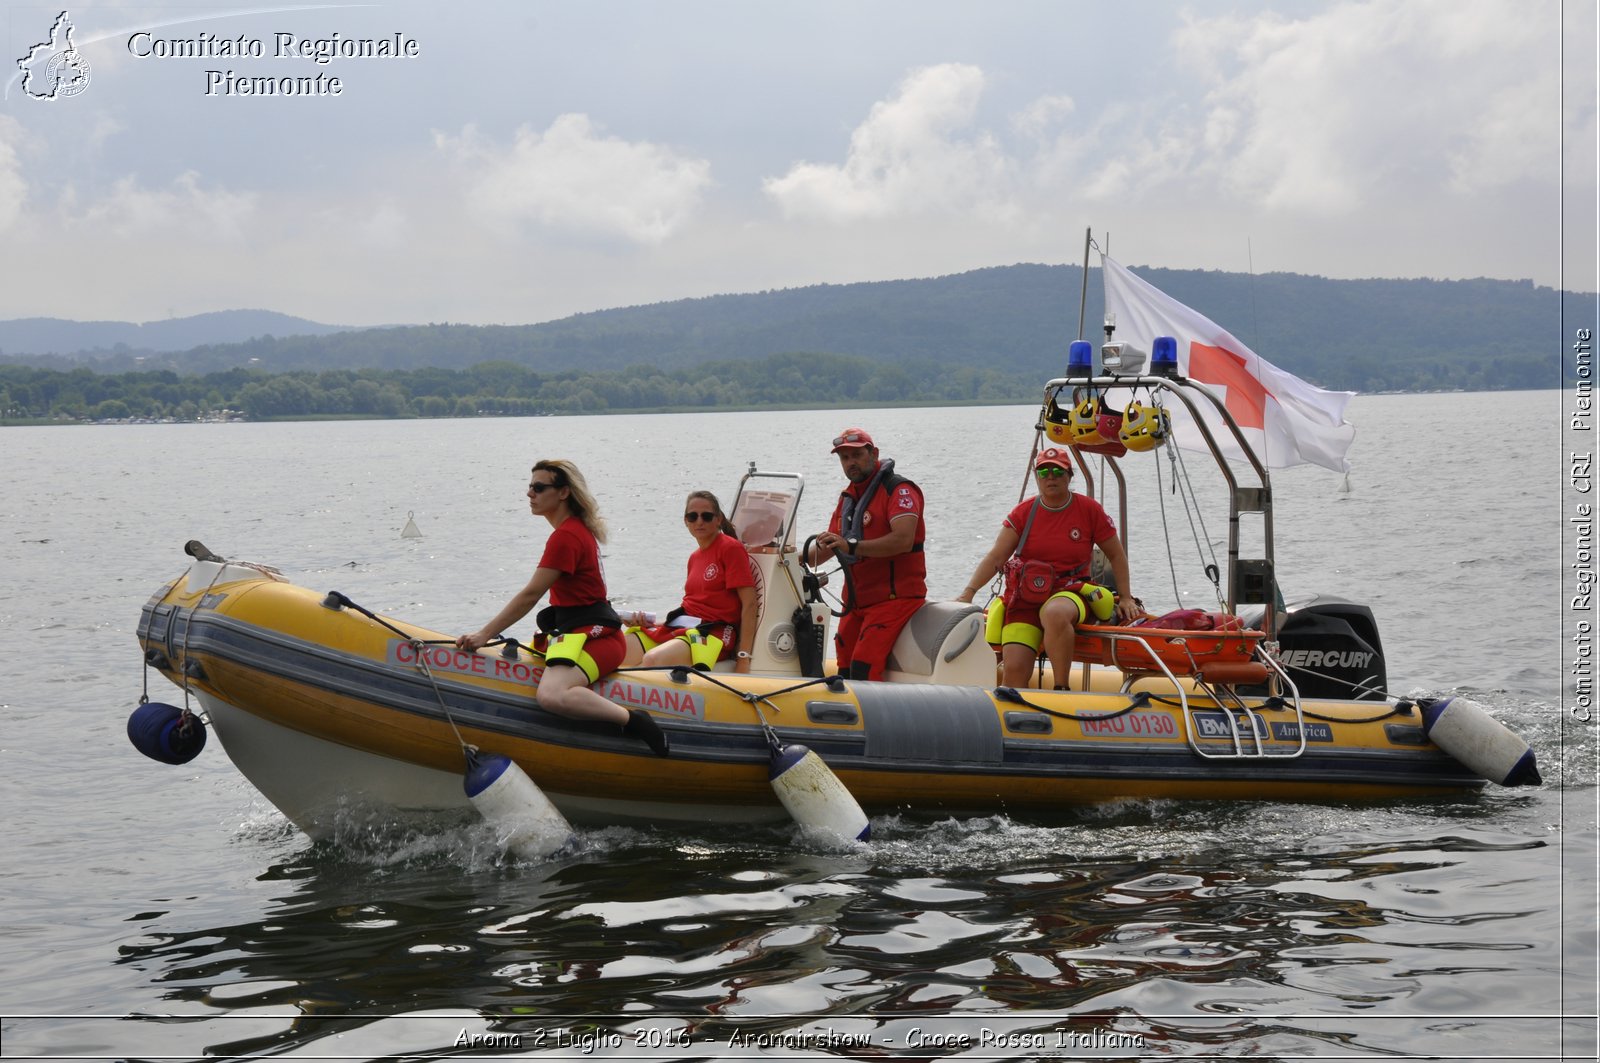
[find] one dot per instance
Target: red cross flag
(1286, 421)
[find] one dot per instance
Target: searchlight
(1123, 359)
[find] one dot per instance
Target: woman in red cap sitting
(1060, 528)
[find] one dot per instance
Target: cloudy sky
(536, 159)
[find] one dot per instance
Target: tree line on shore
(498, 388)
(1014, 321)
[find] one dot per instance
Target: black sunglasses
(539, 489)
(691, 517)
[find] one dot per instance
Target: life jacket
(870, 580)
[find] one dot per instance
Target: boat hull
(328, 712)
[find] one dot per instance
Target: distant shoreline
(49, 422)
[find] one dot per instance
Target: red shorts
(656, 634)
(866, 634)
(596, 650)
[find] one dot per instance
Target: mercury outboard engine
(1330, 648)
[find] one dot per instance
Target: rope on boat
(1198, 514)
(1363, 688)
(422, 666)
(681, 673)
(1402, 707)
(1193, 512)
(198, 551)
(336, 600)
(1012, 697)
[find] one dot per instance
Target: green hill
(1012, 322)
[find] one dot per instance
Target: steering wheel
(814, 580)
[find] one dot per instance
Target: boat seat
(943, 643)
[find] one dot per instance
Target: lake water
(154, 911)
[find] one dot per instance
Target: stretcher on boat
(1222, 651)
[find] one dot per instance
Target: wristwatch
(852, 543)
(743, 655)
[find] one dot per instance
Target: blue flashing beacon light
(1164, 357)
(1080, 360)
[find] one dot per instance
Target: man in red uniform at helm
(877, 534)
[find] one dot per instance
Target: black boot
(643, 726)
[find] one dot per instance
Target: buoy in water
(815, 798)
(1465, 730)
(410, 531)
(166, 733)
(510, 802)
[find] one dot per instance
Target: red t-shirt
(716, 573)
(1064, 537)
(572, 551)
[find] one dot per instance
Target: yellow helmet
(1084, 422)
(1144, 427)
(1090, 426)
(1057, 423)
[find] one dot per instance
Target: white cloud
(572, 177)
(1362, 100)
(385, 225)
(130, 209)
(1344, 137)
(13, 187)
(909, 156)
(1352, 106)
(1043, 115)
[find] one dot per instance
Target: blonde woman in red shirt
(582, 633)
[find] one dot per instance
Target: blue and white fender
(510, 802)
(814, 796)
(1465, 730)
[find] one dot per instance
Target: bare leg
(1059, 615)
(670, 652)
(1016, 664)
(635, 652)
(564, 689)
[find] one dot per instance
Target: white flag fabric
(1284, 419)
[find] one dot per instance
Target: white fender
(1465, 730)
(814, 796)
(510, 802)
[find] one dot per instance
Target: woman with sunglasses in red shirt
(1060, 527)
(583, 634)
(717, 618)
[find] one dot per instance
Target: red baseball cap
(1053, 456)
(852, 437)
